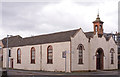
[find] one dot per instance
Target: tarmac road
(23, 73)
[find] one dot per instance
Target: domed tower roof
(98, 19)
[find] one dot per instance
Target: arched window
(112, 55)
(100, 27)
(32, 55)
(95, 28)
(80, 49)
(49, 55)
(19, 55)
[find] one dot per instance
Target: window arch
(32, 55)
(112, 55)
(100, 27)
(80, 49)
(18, 55)
(96, 27)
(49, 55)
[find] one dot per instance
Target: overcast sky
(48, 16)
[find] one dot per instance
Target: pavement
(0, 72)
(24, 73)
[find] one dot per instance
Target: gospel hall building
(85, 51)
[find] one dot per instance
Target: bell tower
(98, 26)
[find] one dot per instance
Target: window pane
(49, 51)
(50, 54)
(112, 61)
(96, 28)
(80, 54)
(33, 55)
(19, 51)
(19, 56)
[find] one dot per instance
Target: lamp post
(7, 61)
(4, 73)
(7, 56)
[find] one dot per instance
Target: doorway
(99, 59)
(11, 63)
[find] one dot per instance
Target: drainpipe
(70, 56)
(7, 61)
(40, 57)
(65, 61)
(89, 49)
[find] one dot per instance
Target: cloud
(34, 18)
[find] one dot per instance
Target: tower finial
(98, 14)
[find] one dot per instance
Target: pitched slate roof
(108, 36)
(89, 34)
(13, 41)
(98, 19)
(50, 38)
(16, 41)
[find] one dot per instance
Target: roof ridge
(12, 37)
(51, 33)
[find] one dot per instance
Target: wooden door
(99, 59)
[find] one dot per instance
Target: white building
(86, 51)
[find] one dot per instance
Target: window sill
(112, 63)
(80, 63)
(18, 63)
(49, 63)
(32, 63)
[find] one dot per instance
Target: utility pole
(4, 73)
(7, 57)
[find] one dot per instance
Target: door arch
(99, 59)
